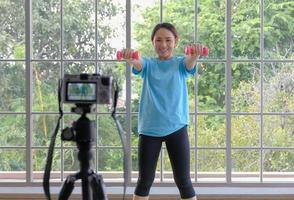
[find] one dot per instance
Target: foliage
(12, 31)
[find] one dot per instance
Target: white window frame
(228, 114)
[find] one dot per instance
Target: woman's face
(164, 43)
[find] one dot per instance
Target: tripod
(83, 133)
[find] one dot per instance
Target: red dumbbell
(135, 55)
(205, 51)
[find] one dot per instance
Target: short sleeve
(193, 70)
(135, 71)
(184, 69)
(142, 72)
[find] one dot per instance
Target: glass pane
(191, 93)
(166, 165)
(13, 159)
(278, 131)
(211, 88)
(181, 15)
(43, 127)
(278, 94)
(158, 178)
(278, 29)
(71, 161)
(191, 130)
(245, 131)
(246, 87)
(79, 67)
(278, 166)
(192, 165)
(13, 165)
(110, 162)
(136, 84)
(135, 167)
(108, 134)
(211, 130)
(111, 28)
(79, 29)
(212, 14)
(245, 29)
(167, 168)
(39, 163)
(12, 81)
(211, 166)
(134, 133)
(45, 86)
(245, 165)
(12, 32)
(13, 130)
(118, 72)
(145, 15)
(46, 29)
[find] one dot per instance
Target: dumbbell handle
(205, 51)
(135, 55)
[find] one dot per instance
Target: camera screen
(81, 92)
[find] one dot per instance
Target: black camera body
(86, 89)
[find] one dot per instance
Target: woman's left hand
(192, 55)
(195, 50)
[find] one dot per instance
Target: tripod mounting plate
(83, 109)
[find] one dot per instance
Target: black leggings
(178, 148)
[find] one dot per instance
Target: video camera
(86, 89)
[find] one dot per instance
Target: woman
(163, 110)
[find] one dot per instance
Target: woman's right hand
(127, 54)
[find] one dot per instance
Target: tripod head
(83, 130)
(82, 109)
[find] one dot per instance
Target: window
(241, 101)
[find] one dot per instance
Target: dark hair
(167, 26)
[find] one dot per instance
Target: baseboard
(154, 197)
(159, 193)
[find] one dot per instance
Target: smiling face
(164, 43)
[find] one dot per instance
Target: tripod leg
(98, 187)
(67, 187)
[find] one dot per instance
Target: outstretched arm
(195, 53)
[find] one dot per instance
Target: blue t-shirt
(164, 105)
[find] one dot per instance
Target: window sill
(165, 190)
